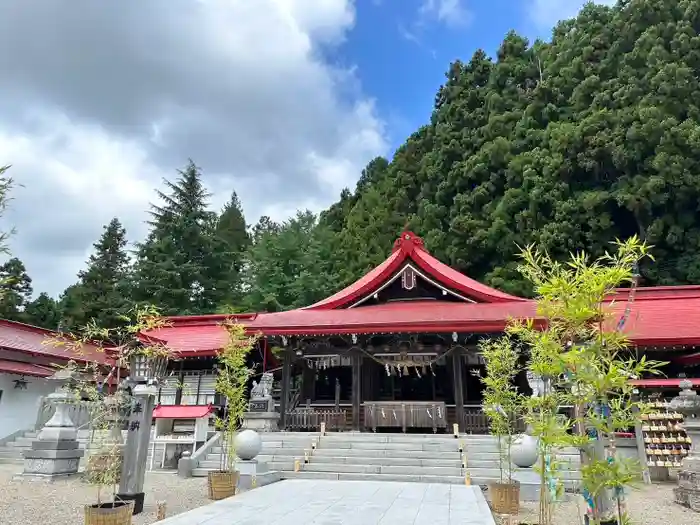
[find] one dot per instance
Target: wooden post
(180, 381)
(356, 390)
(337, 394)
(458, 384)
(308, 382)
(286, 385)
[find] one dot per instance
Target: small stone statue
(263, 388)
(536, 383)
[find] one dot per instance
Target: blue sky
(402, 48)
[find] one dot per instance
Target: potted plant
(232, 383)
(502, 407)
(581, 357)
(108, 407)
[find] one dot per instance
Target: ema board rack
(665, 440)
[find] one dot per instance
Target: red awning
(182, 411)
(664, 383)
(25, 369)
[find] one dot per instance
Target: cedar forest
(566, 144)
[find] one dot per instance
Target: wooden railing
(404, 415)
(311, 418)
(475, 421)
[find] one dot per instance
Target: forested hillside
(567, 144)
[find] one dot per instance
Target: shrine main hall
(398, 348)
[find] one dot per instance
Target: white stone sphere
(247, 444)
(524, 451)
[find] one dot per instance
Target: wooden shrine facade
(398, 348)
(382, 381)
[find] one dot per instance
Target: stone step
(407, 446)
(403, 438)
(495, 474)
(270, 451)
(382, 469)
(261, 458)
(398, 462)
(352, 476)
(390, 453)
(281, 466)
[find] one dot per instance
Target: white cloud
(449, 12)
(99, 102)
(547, 13)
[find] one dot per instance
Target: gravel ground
(61, 502)
(647, 505)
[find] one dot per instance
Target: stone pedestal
(254, 473)
(261, 415)
(688, 491)
(55, 453)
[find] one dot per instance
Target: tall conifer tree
(103, 290)
(15, 290)
(180, 267)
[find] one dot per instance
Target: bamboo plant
(232, 382)
(583, 357)
(502, 402)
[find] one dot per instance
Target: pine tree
(103, 289)
(180, 267)
(288, 265)
(15, 289)
(43, 311)
(232, 235)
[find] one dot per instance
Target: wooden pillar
(286, 385)
(458, 386)
(308, 383)
(356, 390)
(180, 381)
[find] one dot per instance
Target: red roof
(25, 369)
(660, 322)
(660, 316)
(409, 248)
(33, 340)
(409, 316)
(182, 411)
(187, 340)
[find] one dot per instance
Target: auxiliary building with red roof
(398, 348)
(26, 363)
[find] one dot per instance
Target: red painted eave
(182, 411)
(204, 320)
(25, 369)
(659, 322)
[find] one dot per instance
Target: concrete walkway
(324, 502)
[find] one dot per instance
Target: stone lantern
(687, 403)
(56, 452)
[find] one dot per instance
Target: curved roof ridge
(410, 247)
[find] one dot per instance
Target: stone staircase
(13, 451)
(279, 450)
(429, 458)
